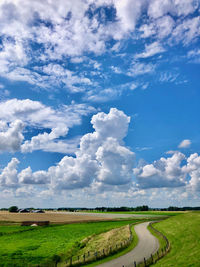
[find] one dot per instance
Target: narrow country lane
(147, 245)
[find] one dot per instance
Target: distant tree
(13, 209)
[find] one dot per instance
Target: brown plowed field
(53, 217)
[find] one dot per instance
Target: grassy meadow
(149, 213)
(31, 246)
(183, 233)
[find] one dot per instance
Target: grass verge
(183, 234)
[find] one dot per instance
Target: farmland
(52, 217)
(31, 246)
(183, 233)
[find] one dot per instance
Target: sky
(99, 103)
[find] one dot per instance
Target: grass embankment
(38, 246)
(105, 240)
(119, 253)
(183, 234)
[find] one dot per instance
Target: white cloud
(116, 69)
(11, 136)
(185, 143)
(194, 56)
(151, 50)
(147, 30)
(116, 163)
(187, 31)
(159, 8)
(168, 77)
(140, 69)
(166, 172)
(26, 176)
(128, 12)
(50, 35)
(193, 169)
(72, 173)
(8, 176)
(114, 124)
(164, 26)
(38, 116)
(103, 95)
(102, 157)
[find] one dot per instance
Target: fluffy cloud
(8, 176)
(11, 136)
(102, 157)
(38, 116)
(128, 12)
(26, 176)
(185, 143)
(193, 169)
(175, 7)
(166, 172)
(116, 163)
(73, 173)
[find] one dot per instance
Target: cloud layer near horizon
(103, 162)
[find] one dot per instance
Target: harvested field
(66, 217)
(48, 216)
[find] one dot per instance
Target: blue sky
(99, 103)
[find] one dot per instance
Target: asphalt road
(110, 215)
(147, 245)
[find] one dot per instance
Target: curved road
(147, 245)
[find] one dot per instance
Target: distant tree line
(173, 208)
(123, 208)
(108, 209)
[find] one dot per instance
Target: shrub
(13, 209)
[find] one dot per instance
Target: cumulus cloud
(11, 136)
(193, 169)
(102, 157)
(165, 172)
(185, 143)
(8, 176)
(26, 176)
(128, 12)
(116, 163)
(39, 116)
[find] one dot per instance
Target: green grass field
(183, 232)
(38, 245)
(11, 229)
(151, 213)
